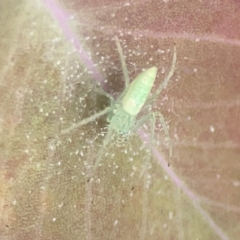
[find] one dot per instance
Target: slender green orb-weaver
(123, 112)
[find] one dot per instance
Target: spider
(123, 112)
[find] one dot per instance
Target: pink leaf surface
(52, 55)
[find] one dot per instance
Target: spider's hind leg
(152, 116)
(166, 131)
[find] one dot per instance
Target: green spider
(123, 112)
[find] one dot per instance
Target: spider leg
(102, 92)
(167, 78)
(123, 63)
(94, 116)
(165, 129)
(170, 74)
(142, 120)
(145, 118)
(152, 116)
(86, 120)
(102, 149)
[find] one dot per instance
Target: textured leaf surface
(52, 56)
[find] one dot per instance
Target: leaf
(52, 57)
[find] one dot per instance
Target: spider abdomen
(138, 91)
